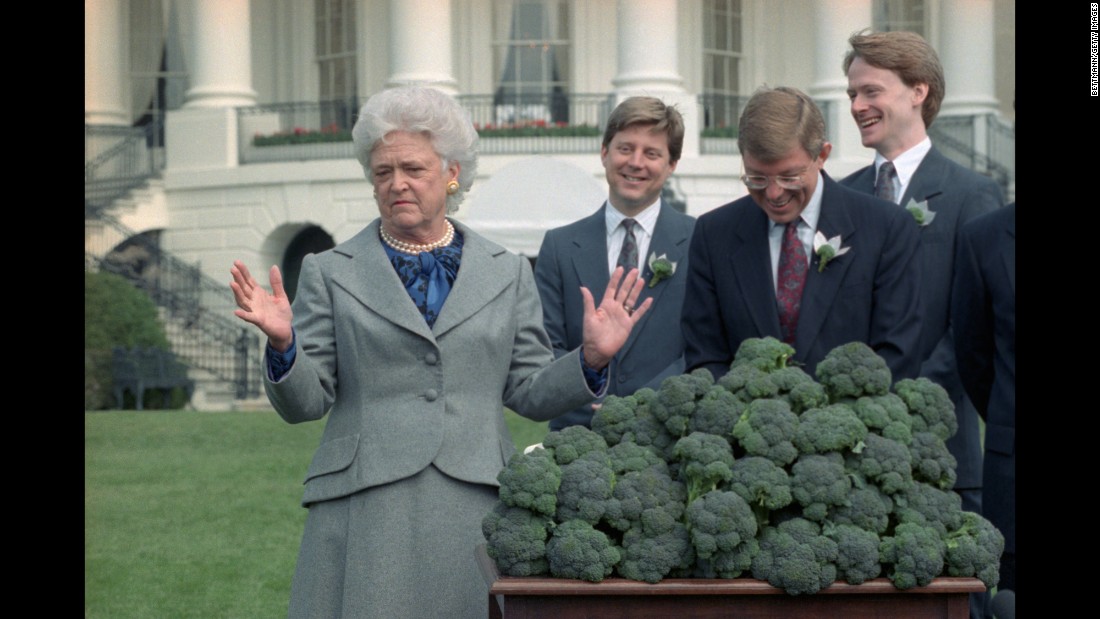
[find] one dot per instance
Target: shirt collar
(906, 164)
(647, 219)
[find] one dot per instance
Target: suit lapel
(751, 263)
(822, 287)
(369, 276)
(667, 240)
(480, 279)
(589, 254)
(928, 181)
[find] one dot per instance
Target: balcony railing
(574, 124)
(721, 115)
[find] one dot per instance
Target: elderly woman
(413, 335)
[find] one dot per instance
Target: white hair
(420, 109)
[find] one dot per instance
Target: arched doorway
(311, 240)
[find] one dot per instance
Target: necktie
(791, 280)
(884, 184)
(628, 256)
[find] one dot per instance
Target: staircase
(123, 186)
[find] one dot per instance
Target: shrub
(115, 314)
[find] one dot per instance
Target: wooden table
(676, 598)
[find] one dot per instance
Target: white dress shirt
(807, 225)
(643, 233)
(905, 164)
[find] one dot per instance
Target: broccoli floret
(767, 354)
(929, 506)
(577, 550)
(857, 553)
(647, 431)
(819, 483)
(749, 383)
(853, 370)
(833, 428)
(586, 489)
(799, 389)
(795, 557)
(766, 429)
(913, 555)
(884, 462)
(932, 462)
(531, 481)
(716, 412)
(706, 460)
(676, 399)
(762, 483)
(930, 406)
(974, 550)
(572, 442)
(516, 540)
(626, 457)
(885, 415)
(647, 499)
(867, 508)
(719, 521)
(614, 417)
(649, 558)
(728, 564)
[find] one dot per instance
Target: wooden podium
(742, 598)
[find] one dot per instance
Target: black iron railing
(202, 329)
(118, 159)
(957, 137)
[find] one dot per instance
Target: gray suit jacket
(576, 255)
(401, 396)
(956, 195)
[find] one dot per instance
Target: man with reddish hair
(896, 84)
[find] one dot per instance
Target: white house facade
(180, 94)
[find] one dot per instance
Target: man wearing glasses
(755, 269)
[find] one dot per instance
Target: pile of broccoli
(765, 473)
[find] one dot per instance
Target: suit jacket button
(430, 395)
(431, 358)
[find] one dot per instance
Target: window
(531, 57)
(897, 15)
(158, 76)
(336, 54)
(722, 55)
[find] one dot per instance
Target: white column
(421, 44)
(836, 21)
(221, 57)
(103, 64)
(966, 51)
(649, 62)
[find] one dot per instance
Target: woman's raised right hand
(270, 311)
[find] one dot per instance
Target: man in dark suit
(634, 228)
(896, 84)
(983, 313)
(754, 271)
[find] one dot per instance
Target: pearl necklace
(414, 248)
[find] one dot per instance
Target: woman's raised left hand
(607, 327)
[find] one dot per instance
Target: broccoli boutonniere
(827, 249)
(661, 268)
(920, 212)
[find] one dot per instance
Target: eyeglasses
(758, 182)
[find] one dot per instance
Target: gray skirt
(404, 549)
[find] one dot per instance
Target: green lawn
(191, 514)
